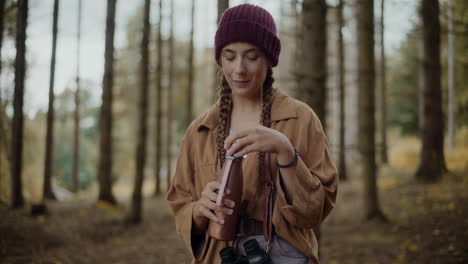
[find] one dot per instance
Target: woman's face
(244, 66)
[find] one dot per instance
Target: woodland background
(83, 179)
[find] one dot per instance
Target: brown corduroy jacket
(316, 179)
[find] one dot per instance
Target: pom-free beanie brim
(248, 23)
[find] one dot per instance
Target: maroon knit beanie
(248, 23)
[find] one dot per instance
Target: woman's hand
(263, 139)
(206, 206)
(259, 139)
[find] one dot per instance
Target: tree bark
(222, 5)
(421, 85)
(312, 66)
(158, 149)
(383, 87)
(17, 135)
(432, 164)
(366, 105)
(451, 77)
(105, 143)
(169, 98)
(341, 90)
(77, 118)
(2, 10)
(136, 213)
(3, 136)
(312, 73)
(190, 71)
(48, 168)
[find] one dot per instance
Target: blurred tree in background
(17, 130)
(403, 73)
(105, 160)
(89, 130)
(403, 86)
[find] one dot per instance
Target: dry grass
(404, 152)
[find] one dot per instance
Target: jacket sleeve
(315, 182)
(182, 200)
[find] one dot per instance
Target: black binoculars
(254, 254)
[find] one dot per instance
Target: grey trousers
(281, 251)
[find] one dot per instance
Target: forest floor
(426, 223)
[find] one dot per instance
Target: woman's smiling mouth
(241, 83)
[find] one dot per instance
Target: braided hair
(225, 105)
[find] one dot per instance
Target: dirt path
(85, 232)
(427, 224)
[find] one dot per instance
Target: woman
(260, 119)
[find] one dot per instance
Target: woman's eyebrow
(245, 51)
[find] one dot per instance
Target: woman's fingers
(247, 149)
(210, 207)
(238, 144)
(236, 135)
(210, 195)
(207, 203)
(231, 139)
(213, 186)
(210, 215)
(215, 207)
(253, 139)
(210, 190)
(229, 203)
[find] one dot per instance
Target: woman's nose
(239, 66)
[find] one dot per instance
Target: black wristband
(296, 155)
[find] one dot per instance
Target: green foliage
(403, 73)
(63, 145)
(127, 87)
(461, 58)
(403, 86)
(9, 20)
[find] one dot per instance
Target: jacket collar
(281, 109)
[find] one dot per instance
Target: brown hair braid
(265, 116)
(225, 106)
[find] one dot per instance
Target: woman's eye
(252, 58)
(229, 58)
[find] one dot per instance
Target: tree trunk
(17, 199)
(341, 88)
(432, 164)
(366, 105)
(48, 168)
(222, 5)
(421, 85)
(451, 78)
(190, 71)
(76, 137)
(169, 98)
(77, 118)
(312, 66)
(158, 150)
(383, 87)
(2, 10)
(3, 136)
(136, 214)
(297, 42)
(105, 144)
